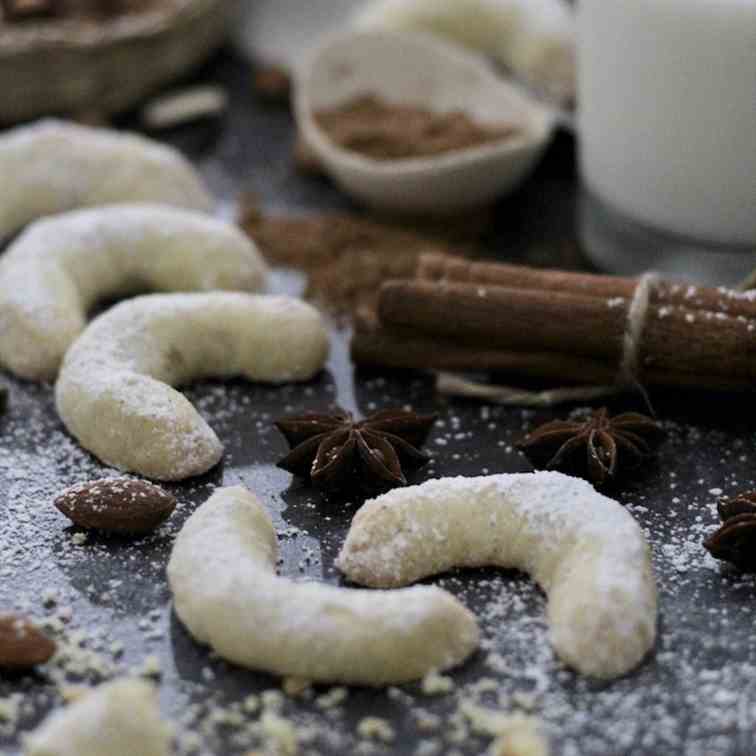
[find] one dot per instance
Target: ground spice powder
(347, 257)
(382, 131)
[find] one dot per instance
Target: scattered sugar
(690, 697)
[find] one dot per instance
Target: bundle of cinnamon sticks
(565, 327)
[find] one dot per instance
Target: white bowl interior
(415, 69)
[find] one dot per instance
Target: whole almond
(22, 644)
(117, 505)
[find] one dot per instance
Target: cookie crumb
(295, 687)
(435, 684)
(150, 667)
(334, 697)
(376, 728)
(280, 734)
(251, 703)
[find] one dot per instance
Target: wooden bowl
(70, 66)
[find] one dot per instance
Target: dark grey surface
(695, 695)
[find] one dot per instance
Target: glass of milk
(667, 123)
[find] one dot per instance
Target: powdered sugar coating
(61, 266)
(121, 718)
(114, 391)
(57, 166)
(584, 550)
(222, 573)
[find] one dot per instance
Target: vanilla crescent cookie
(60, 266)
(114, 389)
(120, 718)
(53, 166)
(583, 549)
(223, 576)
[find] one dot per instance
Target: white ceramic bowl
(417, 69)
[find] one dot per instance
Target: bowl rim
(541, 120)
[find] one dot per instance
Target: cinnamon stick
(374, 344)
(434, 266)
(675, 339)
(377, 345)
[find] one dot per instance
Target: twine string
(637, 315)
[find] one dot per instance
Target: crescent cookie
(120, 718)
(114, 390)
(583, 549)
(61, 266)
(53, 166)
(223, 576)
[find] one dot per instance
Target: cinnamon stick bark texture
(674, 339)
(568, 327)
(439, 267)
(378, 345)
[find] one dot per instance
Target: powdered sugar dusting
(232, 600)
(61, 266)
(123, 367)
(111, 605)
(57, 166)
(583, 547)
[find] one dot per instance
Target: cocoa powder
(382, 131)
(347, 257)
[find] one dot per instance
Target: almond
(118, 505)
(22, 644)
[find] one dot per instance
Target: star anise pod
(339, 454)
(735, 541)
(598, 449)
